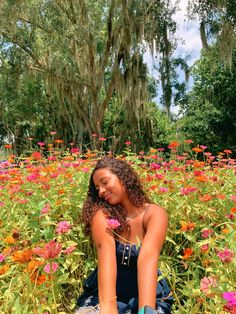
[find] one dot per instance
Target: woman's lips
(107, 197)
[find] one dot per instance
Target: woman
(126, 278)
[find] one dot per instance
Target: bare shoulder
(155, 213)
(99, 227)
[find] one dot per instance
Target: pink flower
(233, 198)
(128, 143)
(33, 176)
(74, 150)
(113, 224)
(208, 154)
(53, 133)
(206, 233)
(188, 141)
(63, 227)
(51, 250)
(230, 297)
(45, 209)
(203, 147)
(187, 190)
(69, 250)
(102, 139)
(48, 269)
(1, 204)
(226, 255)
(41, 144)
(52, 157)
(163, 190)
(204, 247)
(155, 166)
(2, 258)
(230, 216)
(85, 170)
(206, 285)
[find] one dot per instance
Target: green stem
(52, 286)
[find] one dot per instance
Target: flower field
(44, 256)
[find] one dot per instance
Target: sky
(190, 44)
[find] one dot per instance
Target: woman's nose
(101, 191)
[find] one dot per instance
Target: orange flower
(33, 265)
(7, 251)
(197, 150)
(58, 141)
(185, 226)
(206, 198)
(201, 178)
(22, 256)
(206, 263)
(233, 210)
(220, 196)
(4, 269)
(153, 150)
(173, 144)
(225, 230)
(187, 253)
(8, 146)
(38, 279)
(9, 240)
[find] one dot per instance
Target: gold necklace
(136, 215)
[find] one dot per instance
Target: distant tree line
(77, 68)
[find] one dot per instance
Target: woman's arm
(107, 268)
(155, 222)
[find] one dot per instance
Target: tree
(210, 110)
(85, 51)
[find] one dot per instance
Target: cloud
(189, 32)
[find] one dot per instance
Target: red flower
(50, 250)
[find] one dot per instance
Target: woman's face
(109, 186)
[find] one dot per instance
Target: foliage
(209, 113)
(41, 199)
(84, 53)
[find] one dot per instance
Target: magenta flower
(48, 269)
(155, 166)
(230, 297)
(2, 258)
(226, 255)
(51, 250)
(69, 250)
(113, 224)
(206, 285)
(206, 233)
(63, 227)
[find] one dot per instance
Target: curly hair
(130, 181)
